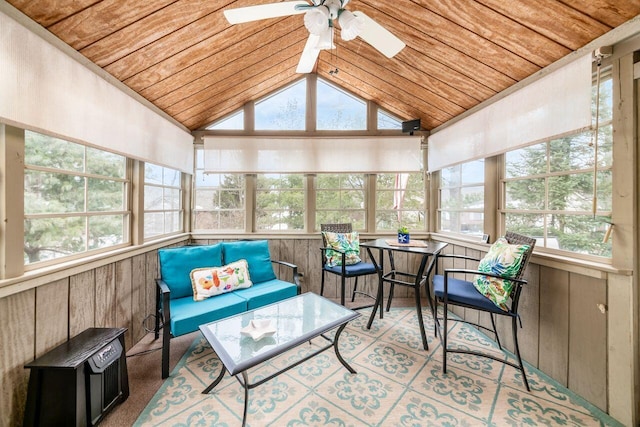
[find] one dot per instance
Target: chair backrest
(337, 228)
(519, 239)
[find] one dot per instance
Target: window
(549, 188)
(162, 201)
(219, 199)
(74, 199)
(400, 201)
(280, 202)
(387, 121)
(461, 199)
(284, 110)
(337, 110)
(340, 198)
(233, 122)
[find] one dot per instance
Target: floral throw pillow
(212, 281)
(505, 260)
(349, 243)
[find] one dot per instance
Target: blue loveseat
(177, 313)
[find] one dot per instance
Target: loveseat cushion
(187, 315)
(256, 252)
(176, 265)
(267, 293)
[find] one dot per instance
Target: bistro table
(427, 249)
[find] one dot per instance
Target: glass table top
(296, 320)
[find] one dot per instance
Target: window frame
(548, 174)
(180, 210)
(126, 213)
(461, 185)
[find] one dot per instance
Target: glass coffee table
(292, 322)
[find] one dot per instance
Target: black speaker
(410, 126)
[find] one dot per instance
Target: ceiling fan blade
(309, 55)
(379, 37)
(264, 11)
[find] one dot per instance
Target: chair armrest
(162, 287)
(453, 256)
(294, 270)
(162, 307)
(468, 271)
(458, 257)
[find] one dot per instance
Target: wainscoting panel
(588, 339)
(554, 324)
(82, 302)
(52, 315)
(17, 347)
(124, 299)
(105, 296)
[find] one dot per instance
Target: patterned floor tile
(514, 408)
(417, 410)
(394, 362)
(457, 389)
(365, 395)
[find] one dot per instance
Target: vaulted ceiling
(184, 57)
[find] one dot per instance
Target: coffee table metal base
(245, 380)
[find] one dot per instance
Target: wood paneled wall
(564, 333)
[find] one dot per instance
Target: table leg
(338, 355)
(379, 296)
(246, 396)
(216, 382)
(425, 345)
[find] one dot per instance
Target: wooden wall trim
(33, 279)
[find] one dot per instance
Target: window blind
(312, 155)
(556, 104)
(46, 90)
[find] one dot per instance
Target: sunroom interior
(126, 129)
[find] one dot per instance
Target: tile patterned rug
(397, 384)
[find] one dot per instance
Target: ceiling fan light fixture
(325, 41)
(351, 25)
(316, 20)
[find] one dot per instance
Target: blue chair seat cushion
(465, 293)
(268, 292)
(359, 269)
(187, 315)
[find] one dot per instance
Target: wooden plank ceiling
(184, 57)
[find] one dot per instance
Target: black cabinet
(78, 382)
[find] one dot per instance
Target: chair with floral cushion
(341, 256)
(495, 289)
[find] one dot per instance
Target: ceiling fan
(319, 20)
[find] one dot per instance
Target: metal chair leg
(514, 325)
(355, 288)
(495, 331)
(322, 284)
(444, 339)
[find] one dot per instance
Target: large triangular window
(284, 110)
(337, 110)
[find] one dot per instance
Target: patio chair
(343, 270)
(463, 293)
